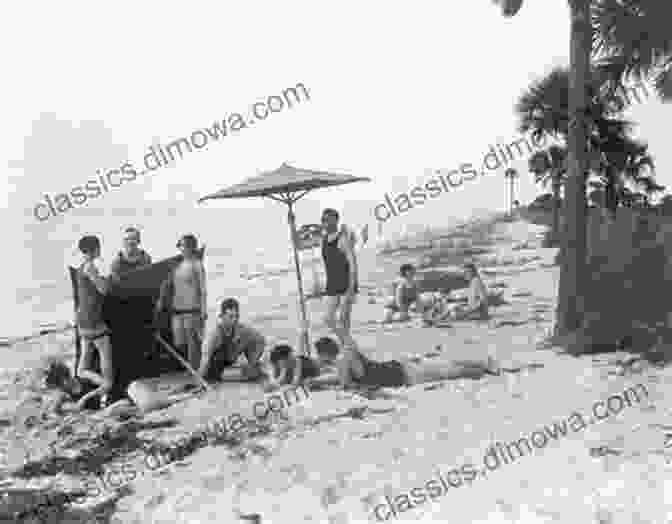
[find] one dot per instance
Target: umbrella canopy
(287, 184)
(286, 179)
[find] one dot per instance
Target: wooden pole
(305, 338)
(186, 364)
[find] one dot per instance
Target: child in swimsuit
(91, 290)
(406, 293)
(184, 295)
(477, 304)
(287, 368)
(353, 368)
(57, 375)
(73, 390)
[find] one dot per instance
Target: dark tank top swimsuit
(388, 374)
(309, 369)
(336, 266)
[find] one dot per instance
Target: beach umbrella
(287, 184)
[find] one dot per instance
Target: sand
(337, 455)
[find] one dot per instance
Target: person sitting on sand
(351, 368)
(131, 257)
(228, 341)
(288, 368)
(91, 289)
(405, 293)
(477, 304)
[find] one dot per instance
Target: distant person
(477, 306)
(340, 265)
(230, 339)
(131, 256)
(351, 368)
(405, 293)
(184, 296)
(91, 290)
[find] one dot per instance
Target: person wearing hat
(184, 296)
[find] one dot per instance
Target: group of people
(184, 297)
(436, 310)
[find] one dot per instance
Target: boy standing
(91, 290)
(131, 256)
(184, 296)
(340, 266)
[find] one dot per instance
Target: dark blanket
(129, 312)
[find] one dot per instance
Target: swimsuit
(90, 311)
(336, 267)
(309, 369)
(122, 265)
(389, 374)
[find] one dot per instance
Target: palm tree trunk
(556, 206)
(610, 191)
(511, 196)
(573, 259)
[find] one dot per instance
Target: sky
(395, 89)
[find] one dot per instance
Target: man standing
(131, 256)
(340, 266)
(228, 341)
(184, 296)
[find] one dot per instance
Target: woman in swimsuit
(353, 368)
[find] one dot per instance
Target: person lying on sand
(227, 342)
(351, 368)
(74, 391)
(476, 307)
(405, 293)
(288, 368)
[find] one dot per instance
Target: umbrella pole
(304, 319)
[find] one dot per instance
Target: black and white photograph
(336, 263)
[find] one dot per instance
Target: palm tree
(511, 174)
(549, 166)
(573, 267)
(633, 39)
(622, 161)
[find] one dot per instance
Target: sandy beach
(341, 457)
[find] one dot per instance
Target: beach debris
(603, 451)
(512, 323)
(252, 518)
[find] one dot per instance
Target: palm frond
(633, 40)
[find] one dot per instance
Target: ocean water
(248, 256)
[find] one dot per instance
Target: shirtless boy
(184, 295)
